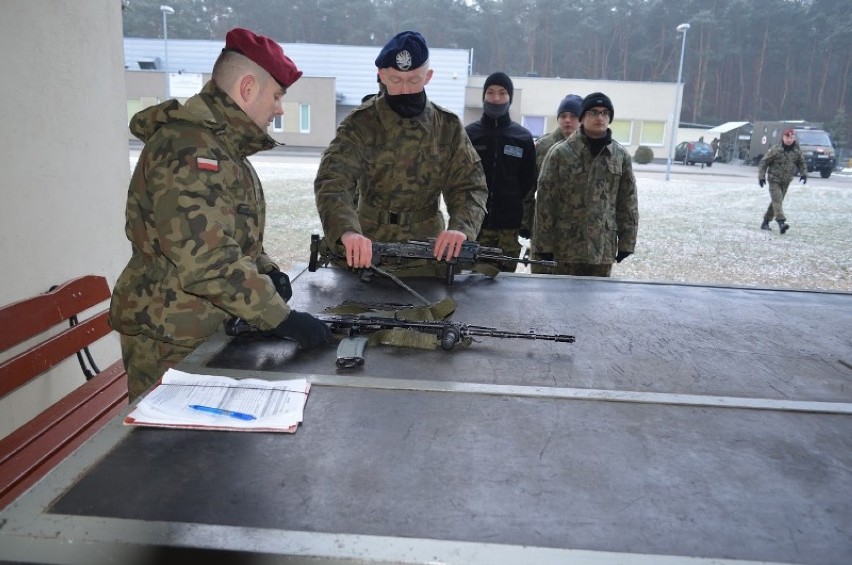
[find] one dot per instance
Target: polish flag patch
(205, 164)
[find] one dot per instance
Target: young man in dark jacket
(507, 152)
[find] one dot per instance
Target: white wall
(64, 163)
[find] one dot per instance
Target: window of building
(278, 124)
(652, 133)
(304, 118)
(622, 131)
(535, 124)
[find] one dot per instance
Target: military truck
(815, 142)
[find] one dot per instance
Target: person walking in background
(507, 152)
(780, 165)
(196, 215)
(402, 153)
(587, 210)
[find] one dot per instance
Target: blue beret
(405, 51)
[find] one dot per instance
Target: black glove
(304, 329)
(524, 232)
(622, 255)
(761, 182)
(803, 179)
(545, 256)
(282, 283)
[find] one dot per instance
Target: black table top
(685, 421)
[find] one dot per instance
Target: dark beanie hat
(500, 79)
(597, 99)
(404, 51)
(571, 103)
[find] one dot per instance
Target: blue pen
(222, 412)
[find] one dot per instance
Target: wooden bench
(33, 449)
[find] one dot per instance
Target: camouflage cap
(265, 52)
(405, 51)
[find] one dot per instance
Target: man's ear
(428, 77)
(248, 87)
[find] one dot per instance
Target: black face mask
(407, 105)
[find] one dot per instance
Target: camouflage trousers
(777, 192)
(507, 240)
(146, 360)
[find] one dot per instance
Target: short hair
(230, 65)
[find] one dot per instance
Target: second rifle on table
(390, 253)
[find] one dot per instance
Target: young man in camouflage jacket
(781, 163)
(587, 211)
(196, 215)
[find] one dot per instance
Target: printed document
(185, 400)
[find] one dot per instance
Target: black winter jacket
(507, 151)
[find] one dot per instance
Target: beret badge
(403, 60)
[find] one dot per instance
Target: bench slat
(27, 318)
(31, 451)
(21, 368)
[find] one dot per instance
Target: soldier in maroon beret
(196, 216)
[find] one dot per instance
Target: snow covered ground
(702, 226)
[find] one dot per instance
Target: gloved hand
(622, 255)
(545, 256)
(304, 329)
(803, 179)
(761, 182)
(524, 232)
(282, 284)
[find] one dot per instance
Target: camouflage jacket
(543, 145)
(400, 168)
(195, 219)
(782, 164)
(586, 207)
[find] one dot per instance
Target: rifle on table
(391, 253)
(447, 333)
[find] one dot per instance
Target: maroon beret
(265, 52)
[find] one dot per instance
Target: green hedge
(643, 155)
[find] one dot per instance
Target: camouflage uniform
(542, 146)
(400, 167)
(586, 208)
(195, 219)
(781, 164)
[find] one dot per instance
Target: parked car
(692, 152)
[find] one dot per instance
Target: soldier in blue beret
(393, 160)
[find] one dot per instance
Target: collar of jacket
(215, 107)
(211, 108)
(604, 142)
(390, 119)
(503, 121)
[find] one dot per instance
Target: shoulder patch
(206, 164)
